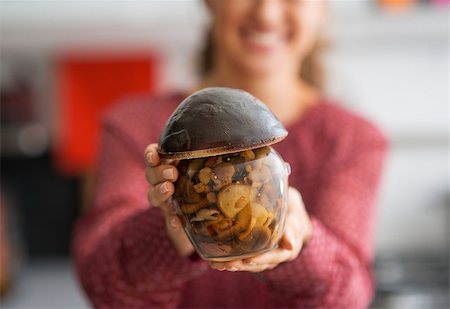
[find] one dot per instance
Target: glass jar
(233, 206)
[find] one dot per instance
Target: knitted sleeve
(123, 256)
(334, 268)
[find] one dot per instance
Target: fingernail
(251, 263)
(149, 157)
(168, 173)
(289, 245)
(233, 268)
(163, 188)
(290, 241)
(173, 223)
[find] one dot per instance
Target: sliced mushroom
(263, 200)
(247, 232)
(202, 231)
(222, 175)
(194, 207)
(243, 221)
(233, 199)
(270, 190)
(269, 220)
(258, 239)
(205, 175)
(244, 217)
(261, 152)
(205, 214)
(214, 249)
(222, 225)
(260, 214)
(185, 190)
(194, 166)
(211, 197)
(211, 161)
(216, 221)
(247, 155)
(262, 174)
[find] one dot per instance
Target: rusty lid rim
(217, 151)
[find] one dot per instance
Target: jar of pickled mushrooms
(231, 193)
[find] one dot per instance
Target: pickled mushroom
(205, 214)
(248, 155)
(257, 239)
(232, 199)
(222, 175)
(194, 207)
(205, 175)
(242, 222)
(260, 214)
(194, 166)
(185, 189)
(222, 225)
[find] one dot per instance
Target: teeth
(263, 38)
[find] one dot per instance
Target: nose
(268, 13)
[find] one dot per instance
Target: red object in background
(87, 85)
(396, 4)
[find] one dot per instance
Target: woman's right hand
(161, 174)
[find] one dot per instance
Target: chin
(261, 67)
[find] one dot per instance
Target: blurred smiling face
(260, 36)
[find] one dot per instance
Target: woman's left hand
(297, 231)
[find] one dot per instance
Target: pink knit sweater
(124, 258)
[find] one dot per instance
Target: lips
(263, 40)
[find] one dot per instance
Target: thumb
(173, 222)
(286, 241)
(295, 201)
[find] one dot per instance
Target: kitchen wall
(393, 68)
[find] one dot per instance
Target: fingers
(176, 233)
(291, 236)
(276, 257)
(296, 209)
(295, 194)
(173, 222)
(241, 266)
(161, 173)
(161, 193)
(151, 155)
(295, 201)
(262, 262)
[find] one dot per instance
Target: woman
(130, 254)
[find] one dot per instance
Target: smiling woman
(272, 35)
(132, 253)
(264, 39)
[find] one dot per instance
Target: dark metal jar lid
(218, 120)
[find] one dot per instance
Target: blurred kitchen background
(64, 62)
